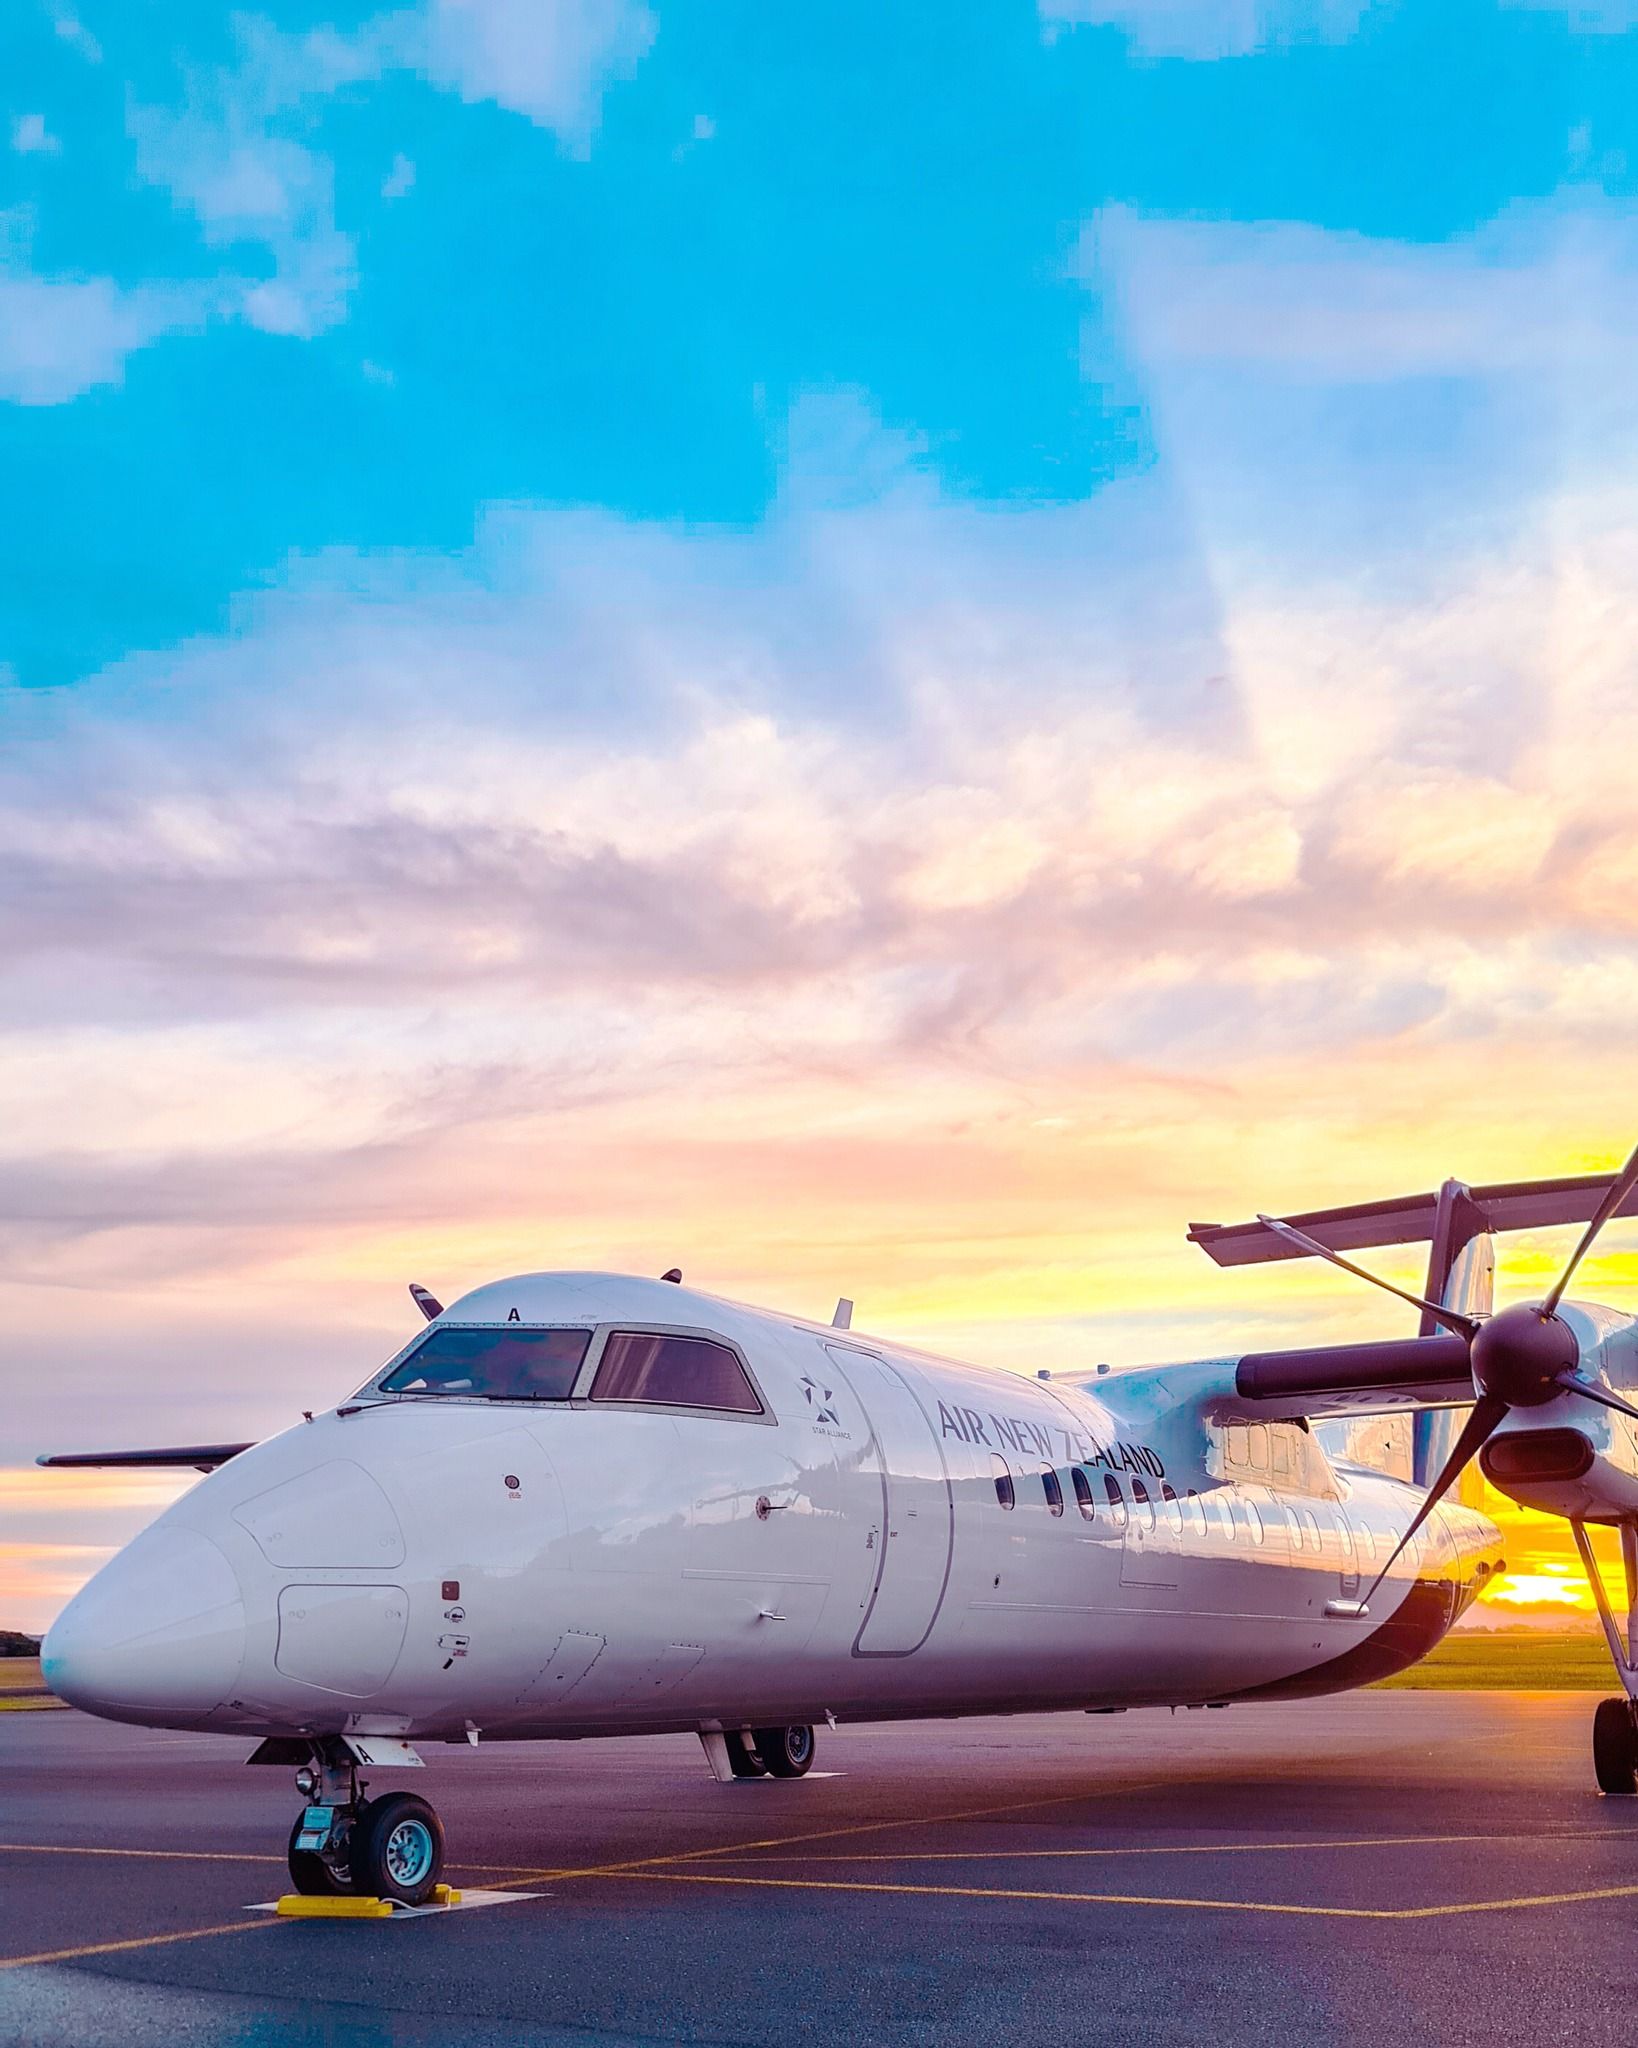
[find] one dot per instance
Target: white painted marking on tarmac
(465, 1903)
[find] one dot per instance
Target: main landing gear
(1615, 1746)
(767, 1752)
(346, 1845)
(1615, 1721)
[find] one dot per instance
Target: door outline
(841, 1353)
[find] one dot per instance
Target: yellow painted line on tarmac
(1201, 1848)
(559, 1874)
(155, 1855)
(111, 1948)
(196, 1855)
(952, 1891)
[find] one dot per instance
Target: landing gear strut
(761, 1752)
(1615, 1723)
(343, 1843)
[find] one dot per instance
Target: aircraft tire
(397, 1849)
(1615, 1748)
(315, 1875)
(785, 1752)
(744, 1757)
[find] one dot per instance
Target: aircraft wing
(202, 1457)
(1352, 1379)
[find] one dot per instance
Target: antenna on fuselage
(429, 1304)
(673, 1274)
(843, 1318)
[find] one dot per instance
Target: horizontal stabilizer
(202, 1457)
(1411, 1219)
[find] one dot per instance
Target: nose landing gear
(346, 1845)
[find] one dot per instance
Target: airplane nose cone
(158, 1636)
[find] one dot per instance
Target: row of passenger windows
(1233, 1515)
(518, 1364)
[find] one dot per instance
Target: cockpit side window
(673, 1372)
(511, 1364)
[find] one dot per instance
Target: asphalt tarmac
(1385, 1867)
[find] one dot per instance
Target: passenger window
(1254, 1521)
(1225, 1511)
(1053, 1491)
(1367, 1538)
(673, 1372)
(1144, 1506)
(1083, 1493)
(1003, 1481)
(1197, 1508)
(1174, 1507)
(1347, 1535)
(1313, 1530)
(1295, 1527)
(512, 1364)
(1116, 1499)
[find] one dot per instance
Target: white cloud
(78, 37)
(251, 189)
(31, 137)
(1205, 29)
(233, 154)
(1594, 17)
(547, 59)
(60, 337)
(1543, 288)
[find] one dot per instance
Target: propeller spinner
(1520, 1358)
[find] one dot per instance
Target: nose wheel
(344, 1845)
(397, 1849)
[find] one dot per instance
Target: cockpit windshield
(513, 1364)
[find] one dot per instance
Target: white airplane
(579, 1504)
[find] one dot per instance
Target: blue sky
(324, 278)
(875, 651)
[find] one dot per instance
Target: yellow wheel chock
(314, 1906)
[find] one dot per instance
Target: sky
(877, 652)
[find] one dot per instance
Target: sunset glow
(895, 708)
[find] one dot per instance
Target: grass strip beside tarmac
(22, 1690)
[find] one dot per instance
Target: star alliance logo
(820, 1399)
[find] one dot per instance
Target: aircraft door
(916, 1528)
(1152, 1553)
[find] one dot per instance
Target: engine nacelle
(1569, 1457)
(1562, 1472)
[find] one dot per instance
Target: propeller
(1521, 1358)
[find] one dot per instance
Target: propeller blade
(1622, 1186)
(1463, 1326)
(1480, 1426)
(1605, 1399)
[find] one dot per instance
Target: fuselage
(850, 1528)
